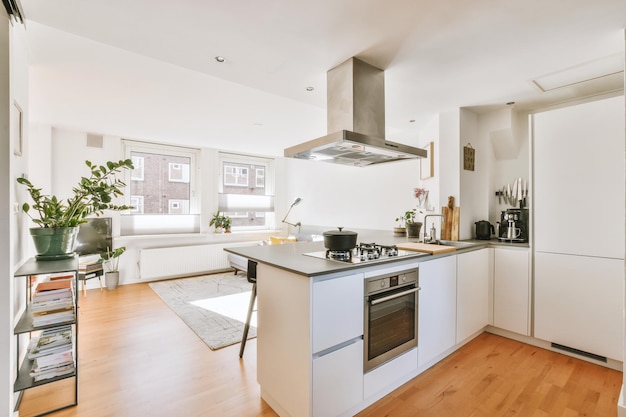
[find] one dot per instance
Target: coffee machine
(513, 225)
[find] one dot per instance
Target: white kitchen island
(310, 328)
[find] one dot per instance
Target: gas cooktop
(364, 253)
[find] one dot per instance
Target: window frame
(194, 154)
(269, 181)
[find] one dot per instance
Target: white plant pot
(112, 280)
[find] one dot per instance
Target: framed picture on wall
(18, 129)
(427, 165)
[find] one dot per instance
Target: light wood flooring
(137, 358)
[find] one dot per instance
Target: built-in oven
(391, 311)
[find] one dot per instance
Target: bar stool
(251, 276)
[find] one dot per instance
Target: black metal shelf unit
(31, 270)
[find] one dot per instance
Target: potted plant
(217, 221)
(412, 227)
(58, 219)
(111, 260)
(227, 222)
(400, 229)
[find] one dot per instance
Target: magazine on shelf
(53, 285)
(53, 302)
(45, 319)
(53, 373)
(61, 277)
(50, 362)
(51, 341)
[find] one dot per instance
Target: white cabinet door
(337, 311)
(437, 308)
(338, 380)
(579, 302)
(511, 290)
(578, 181)
(472, 290)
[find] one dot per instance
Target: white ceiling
(437, 55)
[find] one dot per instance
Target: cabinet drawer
(337, 308)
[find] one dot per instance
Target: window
(179, 172)
(246, 191)
(161, 185)
(136, 201)
(260, 177)
(137, 173)
(178, 206)
(235, 175)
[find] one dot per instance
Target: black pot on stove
(340, 240)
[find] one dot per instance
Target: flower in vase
(421, 194)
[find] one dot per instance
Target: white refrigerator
(578, 227)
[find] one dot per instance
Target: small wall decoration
(468, 157)
(427, 165)
(18, 129)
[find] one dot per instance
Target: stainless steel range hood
(356, 121)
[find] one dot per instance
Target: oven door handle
(391, 297)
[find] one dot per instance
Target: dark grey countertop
(291, 256)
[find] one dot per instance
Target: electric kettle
(484, 230)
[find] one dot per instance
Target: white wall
(6, 260)
(474, 185)
(13, 249)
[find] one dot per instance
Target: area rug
(213, 306)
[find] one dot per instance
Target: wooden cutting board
(426, 248)
(450, 224)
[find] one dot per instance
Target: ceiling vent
(610, 66)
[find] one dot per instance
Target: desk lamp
(296, 201)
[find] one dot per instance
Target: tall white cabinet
(578, 167)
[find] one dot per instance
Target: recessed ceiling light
(220, 58)
(412, 121)
(310, 88)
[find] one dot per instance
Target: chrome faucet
(433, 230)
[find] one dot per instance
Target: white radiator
(180, 261)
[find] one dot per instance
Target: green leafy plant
(408, 217)
(92, 195)
(221, 221)
(217, 220)
(227, 221)
(111, 259)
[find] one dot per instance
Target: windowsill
(209, 237)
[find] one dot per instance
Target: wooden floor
(137, 358)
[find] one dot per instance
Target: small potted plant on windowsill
(111, 260)
(227, 223)
(217, 221)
